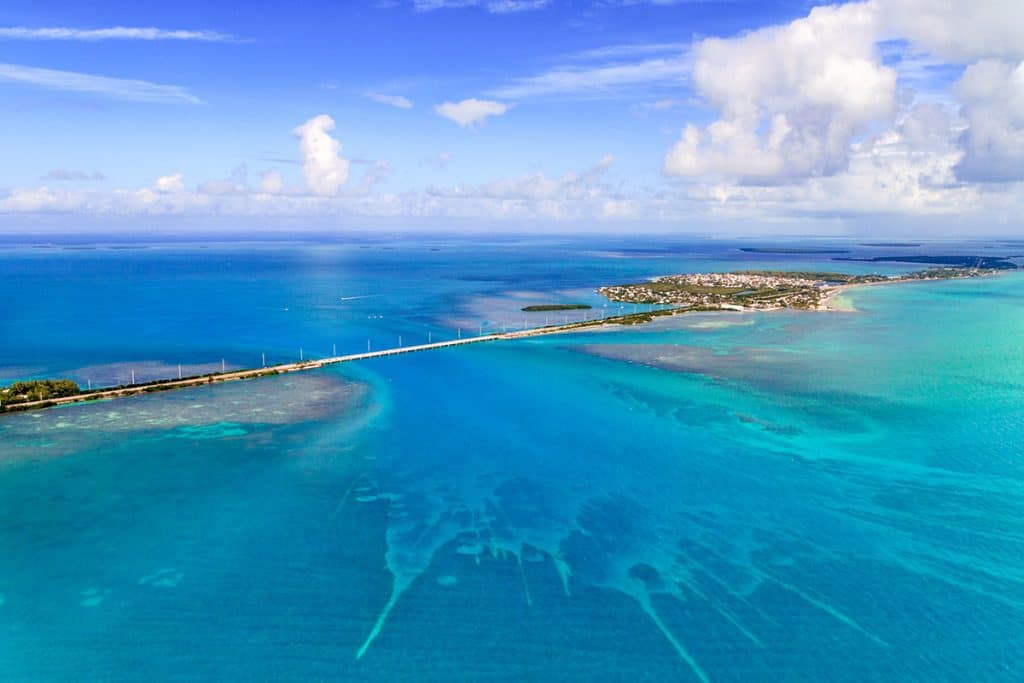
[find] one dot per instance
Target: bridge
(235, 375)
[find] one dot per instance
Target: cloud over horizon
(323, 167)
(904, 108)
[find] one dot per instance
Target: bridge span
(234, 375)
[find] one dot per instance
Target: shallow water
(797, 496)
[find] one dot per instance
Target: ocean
(790, 495)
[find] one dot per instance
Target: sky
(899, 117)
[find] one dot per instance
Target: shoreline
(842, 289)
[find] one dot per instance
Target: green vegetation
(827, 276)
(627, 319)
(38, 390)
(535, 308)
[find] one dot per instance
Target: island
(37, 390)
(793, 250)
(759, 290)
(890, 244)
(539, 308)
(963, 262)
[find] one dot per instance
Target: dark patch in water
(997, 262)
(792, 250)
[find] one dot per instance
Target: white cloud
(992, 92)
(323, 168)
(960, 30)
(271, 182)
(812, 120)
(598, 80)
(375, 174)
(493, 6)
(611, 71)
(791, 98)
(630, 50)
(117, 88)
(112, 33)
(439, 160)
(235, 184)
(470, 112)
(904, 172)
(392, 100)
(73, 175)
(42, 200)
(662, 105)
(536, 186)
(169, 184)
(572, 196)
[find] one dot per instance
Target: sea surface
(793, 496)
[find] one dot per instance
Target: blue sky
(672, 115)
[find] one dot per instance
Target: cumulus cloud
(960, 30)
(794, 100)
(116, 88)
(536, 186)
(271, 182)
(471, 111)
(889, 174)
(323, 168)
(904, 172)
(391, 100)
(235, 184)
(169, 184)
(791, 98)
(42, 199)
(851, 111)
(992, 93)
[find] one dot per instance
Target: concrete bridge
(215, 378)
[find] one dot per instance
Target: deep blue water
(783, 496)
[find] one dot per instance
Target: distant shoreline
(765, 290)
(842, 289)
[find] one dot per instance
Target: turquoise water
(780, 496)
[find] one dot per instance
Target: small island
(540, 308)
(37, 390)
(989, 263)
(890, 244)
(760, 290)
